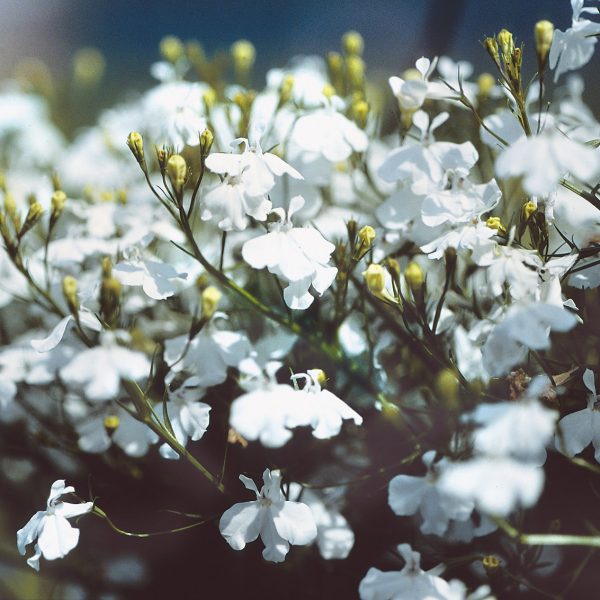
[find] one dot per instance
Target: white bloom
(579, 429)
(299, 255)
(154, 277)
(497, 485)
(56, 537)
(278, 522)
(413, 92)
(543, 159)
(330, 134)
(523, 328)
(335, 538)
(249, 177)
(188, 417)
(408, 495)
(99, 370)
(573, 48)
(410, 583)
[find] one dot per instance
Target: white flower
(412, 93)
(278, 522)
(411, 583)
(335, 538)
(299, 255)
(154, 277)
(408, 495)
(543, 159)
(250, 176)
(56, 537)
(99, 370)
(523, 328)
(579, 429)
(188, 417)
(573, 48)
(497, 485)
(330, 134)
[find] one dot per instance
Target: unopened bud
(244, 55)
(106, 265)
(209, 98)
(57, 204)
(507, 45)
(353, 43)
(111, 422)
(496, 223)
(366, 235)
(360, 110)
(491, 45)
(206, 141)
(88, 67)
(171, 48)
(210, 299)
(528, 209)
(414, 276)
(10, 208)
(110, 298)
(355, 68)
(34, 214)
(486, 83)
(136, 145)
(69, 289)
(375, 278)
(544, 33)
(285, 89)
(177, 171)
(447, 387)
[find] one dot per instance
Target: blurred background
(396, 32)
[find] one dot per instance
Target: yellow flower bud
(447, 388)
(496, 223)
(122, 196)
(210, 301)
(491, 562)
(106, 265)
(111, 422)
(360, 110)
(285, 89)
(209, 98)
(355, 68)
(88, 67)
(177, 171)
(507, 44)
(244, 55)
(69, 289)
(486, 83)
(414, 276)
(528, 209)
(491, 45)
(171, 48)
(34, 214)
(366, 235)
(544, 33)
(136, 145)
(57, 204)
(353, 43)
(375, 278)
(110, 298)
(206, 141)
(10, 208)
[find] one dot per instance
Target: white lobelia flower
(155, 278)
(249, 177)
(541, 160)
(335, 538)
(411, 582)
(188, 417)
(56, 537)
(523, 327)
(408, 495)
(573, 48)
(329, 133)
(579, 429)
(299, 255)
(99, 370)
(412, 93)
(496, 484)
(278, 521)
(269, 412)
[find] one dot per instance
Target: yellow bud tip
(88, 66)
(486, 83)
(177, 171)
(210, 299)
(328, 91)
(206, 141)
(353, 43)
(171, 48)
(544, 34)
(106, 265)
(243, 54)
(375, 278)
(366, 235)
(496, 223)
(111, 422)
(69, 289)
(319, 375)
(136, 145)
(447, 387)
(506, 42)
(491, 561)
(528, 209)
(414, 275)
(57, 203)
(210, 98)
